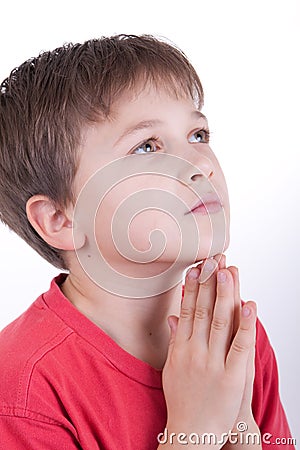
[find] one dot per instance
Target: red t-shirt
(65, 384)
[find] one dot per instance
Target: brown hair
(47, 100)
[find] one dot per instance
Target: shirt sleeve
(266, 404)
(22, 433)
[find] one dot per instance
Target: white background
(247, 56)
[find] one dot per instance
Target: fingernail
(221, 277)
(193, 274)
(209, 265)
(246, 311)
(224, 260)
(207, 270)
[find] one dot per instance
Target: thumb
(173, 322)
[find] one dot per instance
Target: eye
(148, 146)
(200, 136)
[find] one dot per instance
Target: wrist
(245, 433)
(246, 424)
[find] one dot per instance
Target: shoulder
(265, 360)
(23, 343)
(29, 333)
(37, 328)
(266, 370)
(266, 403)
(263, 345)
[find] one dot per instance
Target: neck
(137, 325)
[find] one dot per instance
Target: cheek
(149, 236)
(154, 228)
(128, 227)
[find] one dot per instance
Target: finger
(237, 298)
(250, 371)
(249, 378)
(173, 322)
(205, 302)
(221, 260)
(188, 305)
(245, 409)
(244, 339)
(221, 325)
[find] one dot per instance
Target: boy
(107, 172)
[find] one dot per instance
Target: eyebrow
(145, 124)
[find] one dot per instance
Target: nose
(200, 168)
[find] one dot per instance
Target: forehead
(142, 98)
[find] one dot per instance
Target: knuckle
(222, 296)
(240, 347)
(219, 323)
(245, 328)
(202, 313)
(205, 284)
(187, 312)
(191, 286)
(222, 291)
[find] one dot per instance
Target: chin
(217, 248)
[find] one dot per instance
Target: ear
(52, 224)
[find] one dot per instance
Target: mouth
(210, 203)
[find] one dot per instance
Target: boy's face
(152, 132)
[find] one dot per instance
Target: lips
(210, 202)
